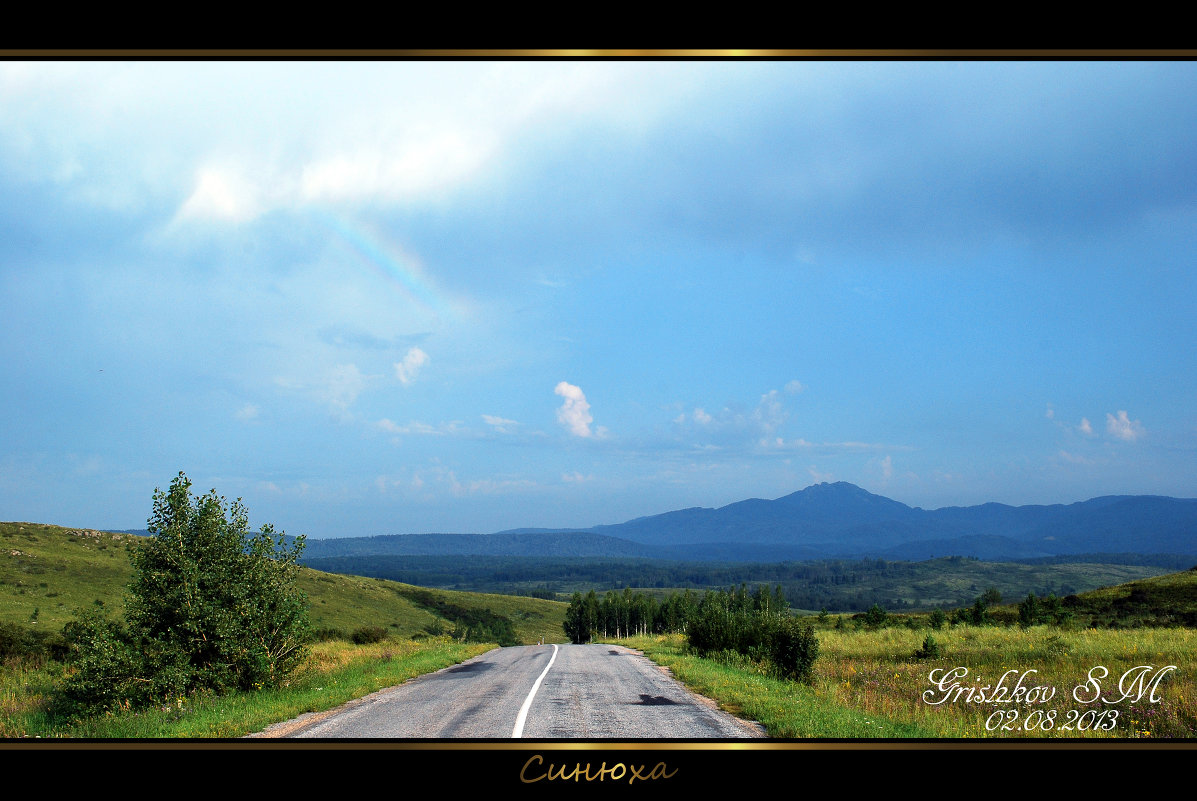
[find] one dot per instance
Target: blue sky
(392, 297)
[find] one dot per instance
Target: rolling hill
(49, 573)
(825, 521)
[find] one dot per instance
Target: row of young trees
(755, 624)
(625, 614)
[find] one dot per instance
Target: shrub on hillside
(27, 645)
(210, 608)
(329, 633)
(368, 634)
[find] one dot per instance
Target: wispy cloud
(770, 413)
(424, 429)
(247, 413)
(1074, 458)
(800, 444)
(1123, 427)
(818, 476)
(500, 424)
(1085, 427)
(342, 386)
(407, 370)
(221, 194)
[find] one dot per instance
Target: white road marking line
(518, 731)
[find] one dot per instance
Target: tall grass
(334, 673)
(874, 676)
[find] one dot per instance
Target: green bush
(326, 634)
(27, 645)
(757, 627)
(368, 634)
(930, 649)
(209, 608)
(937, 619)
(793, 649)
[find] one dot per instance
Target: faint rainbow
(391, 263)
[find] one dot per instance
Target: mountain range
(836, 520)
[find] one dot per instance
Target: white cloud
(221, 194)
(489, 486)
(407, 369)
(1085, 427)
(415, 164)
(247, 413)
(887, 468)
(702, 417)
(574, 414)
(769, 412)
(794, 387)
(780, 444)
(500, 424)
(575, 477)
(1051, 413)
(1123, 427)
(417, 427)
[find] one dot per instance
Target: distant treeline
(756, 624)
(1169, 561)
(836, 585)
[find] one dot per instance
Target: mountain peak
(842, 501)
(836, 489)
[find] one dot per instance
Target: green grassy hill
(49, 573)
(1169, 600)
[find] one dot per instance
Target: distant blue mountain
(842, 519)
(833, 520)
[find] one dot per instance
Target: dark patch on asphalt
(615, 653)
(654, 700)
(470, 667)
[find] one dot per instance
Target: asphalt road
(588, 692)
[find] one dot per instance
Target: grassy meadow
(868, 682)
(48, 574)
(334, 673)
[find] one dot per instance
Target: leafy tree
(1030, 611)
(937, 618)
(979, 614)
(876, 616)
(210, 608)
(580, 618)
